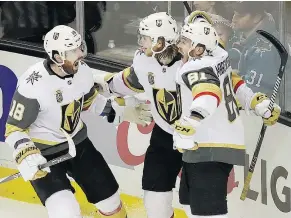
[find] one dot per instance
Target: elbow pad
(206, 92)
(204, 105)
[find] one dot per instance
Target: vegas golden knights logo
(159, 23)
(167, 104)
(71, 116)
(206, 30)
(56, 36)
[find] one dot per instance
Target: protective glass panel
(111, 30)
(117, 38)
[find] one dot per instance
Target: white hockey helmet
(158, 25)
(62, 39)
(201, 33)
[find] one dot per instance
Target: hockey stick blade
(71, 154)
(284, 57)
(280, 48)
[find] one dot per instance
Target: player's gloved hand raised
(132, 110)
(260, 103)
(183, 136)
(28, 157)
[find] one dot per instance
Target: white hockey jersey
(44, 102)
(220, 136)
(157, 82)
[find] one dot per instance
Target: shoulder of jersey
(33, 78)
(85, 73)
(141, 59)
(138, 53)
(83, 64)
(84, 69)
(195, 65)
(220, 51)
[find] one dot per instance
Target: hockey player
(50, 96)
(153, 72)
(210, 132)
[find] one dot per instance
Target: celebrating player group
(193, 93)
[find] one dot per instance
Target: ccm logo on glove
(184, 130)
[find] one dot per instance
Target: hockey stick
(187, 7)
(71, 154)
(284, 57)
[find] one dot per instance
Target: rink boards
(124, 149)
